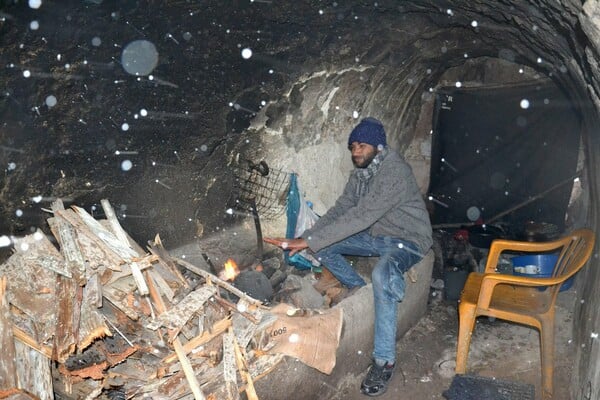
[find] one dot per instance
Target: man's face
(362, 154)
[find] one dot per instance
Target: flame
(231, 270)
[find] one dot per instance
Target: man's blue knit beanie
(369, 130)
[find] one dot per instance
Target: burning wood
(230, 271)
(111, 317)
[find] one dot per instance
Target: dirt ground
(506, 351)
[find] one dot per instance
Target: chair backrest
(577, 247)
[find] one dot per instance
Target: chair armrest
(491, 280)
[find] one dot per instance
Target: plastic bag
(300, 217)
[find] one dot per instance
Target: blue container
(538, 266)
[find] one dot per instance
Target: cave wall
(541, 43)
(319, 68)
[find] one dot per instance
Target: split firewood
(24, 338)
(85, 223)
(69, 247)
(34, 297)
(216, 330)
(98, 254)
(136, 273)
(240, 356)
(164, 286)
(34, 372)
(116, 293)
(114, 222)
(229, 366)
(8, 372)
(188, 370)
(91, 323)
(165, 258)
(233, 307)
(67, 318)
(180, 314)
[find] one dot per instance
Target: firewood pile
(96, 316)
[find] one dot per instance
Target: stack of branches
(99, 317)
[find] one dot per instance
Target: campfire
(230, 271)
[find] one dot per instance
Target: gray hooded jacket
(392, 206)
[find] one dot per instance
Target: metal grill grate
(264, 186)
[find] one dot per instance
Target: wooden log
(33, 370)
(184, 310)
(188, 370)
(229, 366)
(8, 368)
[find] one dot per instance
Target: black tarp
(495, 148)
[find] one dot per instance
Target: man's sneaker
(377, 379)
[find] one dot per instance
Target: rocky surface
(68, 103)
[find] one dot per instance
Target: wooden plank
(214, 279)
(188, 370)
(67, 318)
(35, 298)
(91, 324)
(242, 365)
(117, 293)
(140, 282)
(8, 371)
(94, 249)
(85, 224)
(93, 291)
(27, 340)
(33, 370)
(229, 366)
(165, 258)
(16, 394)
(69, 247)
(115, 226)
(162, 284)
(244, 329)
(217, 329)
(109, 239)
(184, 310)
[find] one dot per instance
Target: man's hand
(293, 245)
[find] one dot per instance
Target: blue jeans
(396, 256)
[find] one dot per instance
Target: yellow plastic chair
(518, 299)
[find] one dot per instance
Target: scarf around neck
(365, 174)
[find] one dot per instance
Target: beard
(364, 160)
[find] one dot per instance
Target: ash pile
(95, 316)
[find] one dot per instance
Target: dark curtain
(494, 149)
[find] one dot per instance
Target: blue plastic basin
(545, 264)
